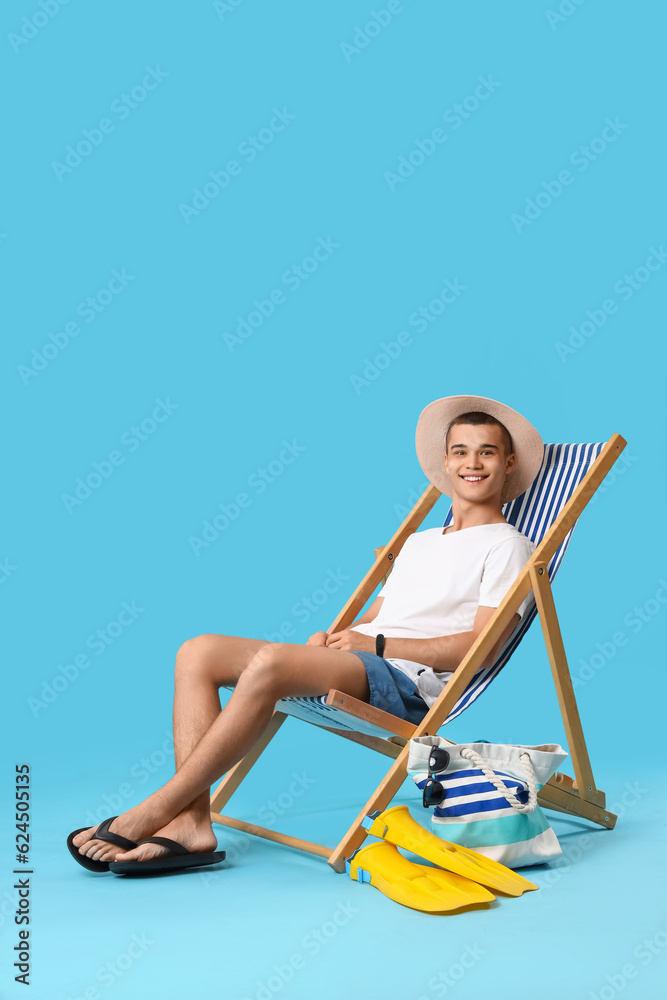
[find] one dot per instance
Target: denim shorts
(391, 689)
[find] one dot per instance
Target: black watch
(379, 645)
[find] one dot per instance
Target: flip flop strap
(104, 833)
(173, 845)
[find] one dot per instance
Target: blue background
(361, 99)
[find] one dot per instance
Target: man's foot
(135, 824)
(192, 830)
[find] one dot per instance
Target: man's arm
(370, 613)
(446, 652)
(320, 638)
(443, 653)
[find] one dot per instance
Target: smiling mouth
(473, 479)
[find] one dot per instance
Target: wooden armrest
(362, 710)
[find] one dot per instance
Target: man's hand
(317, 639)
(349, 639)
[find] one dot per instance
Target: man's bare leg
(210, 742)
(203, 665)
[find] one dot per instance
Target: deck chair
(547, 513)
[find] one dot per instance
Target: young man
(444, 587)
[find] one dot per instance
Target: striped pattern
(469, 796)
(532, 513)
(314, 709)
(478, 815)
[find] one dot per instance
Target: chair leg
(559, 794)
(379, 800)
(233, 778)
(553, 641)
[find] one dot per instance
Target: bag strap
(500, 785)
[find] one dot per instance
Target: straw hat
(430, 441)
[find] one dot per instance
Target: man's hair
(477, 417)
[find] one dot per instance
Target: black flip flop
(102, 833)
(182, 858)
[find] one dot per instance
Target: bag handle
(500, 785)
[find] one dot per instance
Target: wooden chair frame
(559, 793)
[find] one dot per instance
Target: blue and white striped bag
(490, 802)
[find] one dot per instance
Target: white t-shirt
(438, 582)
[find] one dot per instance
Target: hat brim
(430, 442)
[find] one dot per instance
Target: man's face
(476, 461)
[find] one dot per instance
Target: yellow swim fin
(397, 826)
(417, 886)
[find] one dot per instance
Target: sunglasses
(434, 792)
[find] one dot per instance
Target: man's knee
(195, 653)
(264, 668)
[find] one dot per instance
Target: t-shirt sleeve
(501, 568)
